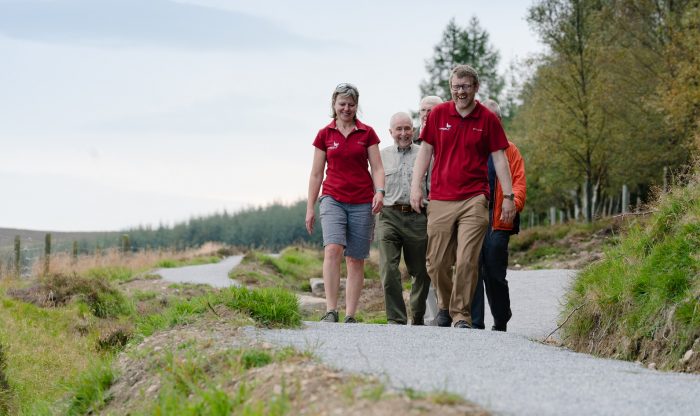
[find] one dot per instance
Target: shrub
(272, 307)
(58, 289)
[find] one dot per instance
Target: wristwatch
(509, 196)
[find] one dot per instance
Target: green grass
(643, 301)
(111, 273)
(90, 390)
(534, 245)
(272, 307)
(196, 261)
(44, 353)
(194, 384)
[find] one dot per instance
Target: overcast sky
(119, 113)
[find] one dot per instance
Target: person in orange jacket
(493, 261)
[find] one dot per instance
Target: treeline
(615, 100)
(271, 227)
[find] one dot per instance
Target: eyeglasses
(465, 87)
(345, 87)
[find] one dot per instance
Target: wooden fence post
(665, 178)
(625, 199)
(75, 252)
(18, 257)
(47, 253)
(126, 247)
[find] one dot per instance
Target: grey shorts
(350, 225)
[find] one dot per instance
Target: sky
(121, 113)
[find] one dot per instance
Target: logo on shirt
(361, 142)
(475, 129)
(335, 146)
(446, 128)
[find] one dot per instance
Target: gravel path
(507, 373)
(215, 274)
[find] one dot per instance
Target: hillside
(642, 301)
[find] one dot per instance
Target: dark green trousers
(396, 232)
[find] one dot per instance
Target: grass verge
(642, 302)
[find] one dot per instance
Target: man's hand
(377, 202)
(417, 200)
(310, 219)
(508, 211)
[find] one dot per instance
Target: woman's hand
(377, 202)
(310, 220)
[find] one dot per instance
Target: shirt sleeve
(372, 138)
(427, 133)
(497, 138)
(320, 140)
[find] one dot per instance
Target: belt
(404, 208)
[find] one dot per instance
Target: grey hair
(431, 99)
(462, 71)
(493, 106)
(344, 90)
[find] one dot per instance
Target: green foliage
(469, 45)
(5, 391)
(641, 302)
(192, 384)
(579, 140)
(255, 358)
(273, 307)
(111, 273)
(272, 228)
(172, 263)
(90, 391)
(541, 242)
(291, 270)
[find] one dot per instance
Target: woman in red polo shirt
(350, 198)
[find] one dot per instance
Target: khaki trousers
(456, 232)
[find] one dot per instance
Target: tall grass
(135, 262)
(643, 301)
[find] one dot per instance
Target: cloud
(122, 23)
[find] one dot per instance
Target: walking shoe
(417, 322)
(350, 320)
(443, 318)
(330, 316)
(501, 328)
(392, 322)
(462, 324)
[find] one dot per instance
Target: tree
(470, 46)
(570, 85)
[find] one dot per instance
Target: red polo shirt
(347, 176)
(461, 147)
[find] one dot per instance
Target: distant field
(32, 240)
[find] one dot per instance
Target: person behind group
(424, 108)
(350, 198)
(461, 134)
(493, 261)
(399, 228)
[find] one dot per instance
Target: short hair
(493, 106)
(431, 99)
(398, 115)
(462, 71)
(344, 90)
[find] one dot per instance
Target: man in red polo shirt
(460, 134)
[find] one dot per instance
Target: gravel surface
(507, 373)
(215, 274)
